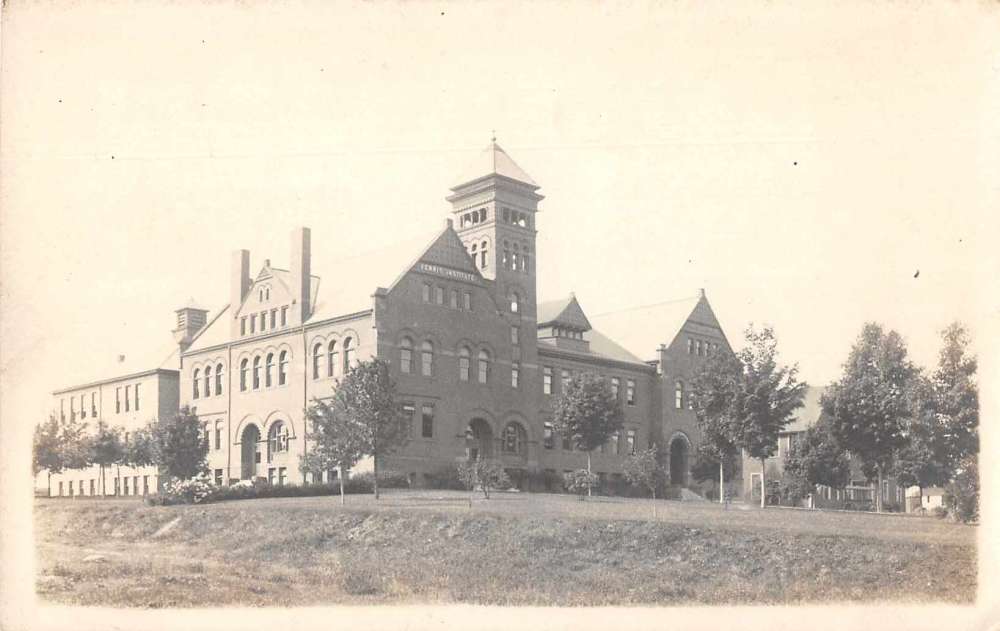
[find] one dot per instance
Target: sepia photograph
(499, 315)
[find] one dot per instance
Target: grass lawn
(515, 549)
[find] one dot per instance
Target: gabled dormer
(563, 323)
(275, 298)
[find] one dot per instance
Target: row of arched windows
(466, 368)
(332, 360)
(515, 258)
(206, 379)
(479, 251)
(260, 372)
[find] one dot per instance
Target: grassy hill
(513, 550)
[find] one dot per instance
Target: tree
(337, 442)
(107, 447)
(643, 469)
(579, 481)
(816, 458)
(178, 444)
(486, 474)
(869, 406)
(714, 395)
(366, 399)
(588, 413)
(46, 449)
(767, 395)
(707, 463)
(140, 451)
(956, 398)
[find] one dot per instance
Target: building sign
(447, 272)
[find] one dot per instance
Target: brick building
(476, 357)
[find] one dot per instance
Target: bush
(485, 474)
(446, 478)
(579, 481)
(940, 512)
(199, 491)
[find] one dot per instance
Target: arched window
(484, 366)
(482, 254)
(218, 379)
(283, 368)
(331, 358)
(514, 438)
(244, 369)
(269, 370)
(277, 439)
(260, 295)
(267, 293)
(406, 355)
(426, 359)
(256, 372)
(473, 253)
(194, 382)
(317, 358)
(515, 302)
(208, 381)
(679, 395)
(464, 359)
(348, 354)
(505, 262)
(524, 260)
(517, 258)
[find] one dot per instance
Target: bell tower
(494, 210)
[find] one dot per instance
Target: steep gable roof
(565, 311)
(494, 161)
(641, 330)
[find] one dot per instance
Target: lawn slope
(275, 553)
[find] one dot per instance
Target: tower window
(516, 259)
(515, 302)
(506, 215)
(482, 255)
(482, 214)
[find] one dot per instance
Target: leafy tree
(46, 449)
(962, 493)
(140, 450)
(870, 405)
(337, 441)
(956, 398)
(706, 466)
(179, 446)
(588, 413)
(643, 469)
(768, 394)
(486, 474)
(816, 458)
(365, 398)
(107, 447)
(714, 395)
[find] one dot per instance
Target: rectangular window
(145, 485)
(243, 325)
(91, 487)
(566, 376)
(62, 409)
(284, 316)
(515, 335)
(93, 402)
(117, 490)
(547, 380)
(427, 421)
(630, 391)
(630, 442)
(125, 486)
(468, 301)
(515, 374)
(454, 299)
(282, 475)
(60, 489)
(253, 323)
(274, 318)
(615, 449)
(439, 294)
(71, 487)
(136, 397)
(72, 408)
(616, 385)
(408, 410)
(270, 476)
(83, 407)
(548, 436)
(135, 485)
(427, 292)
(263, 321)
(128, 396)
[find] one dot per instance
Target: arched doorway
(479, 439)
(678, 460)
(250, 452)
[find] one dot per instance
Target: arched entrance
(250, 441)
(479, 439)
(678, 460)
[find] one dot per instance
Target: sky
(810, 169)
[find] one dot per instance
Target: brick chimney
(239, 287)
(301, 274)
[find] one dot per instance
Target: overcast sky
(812, 170)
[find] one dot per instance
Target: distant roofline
(101, 382)
(548, 349)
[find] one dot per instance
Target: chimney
(302, 272)
(239, 287)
